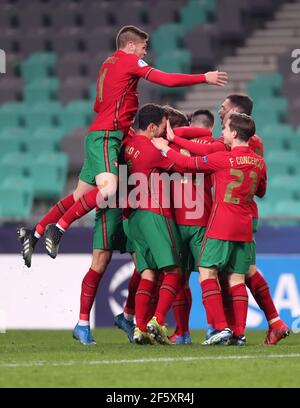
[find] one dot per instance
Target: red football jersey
(186, 191)
(116, 100)
(255, 143)
(237, 176)
(142, 157)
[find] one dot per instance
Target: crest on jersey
(142, 63)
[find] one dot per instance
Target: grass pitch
(54, 359)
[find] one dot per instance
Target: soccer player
(151, 227)
(191, 229)
(116, 104)
(254, 280)
(237, 175)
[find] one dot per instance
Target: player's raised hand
(160, 143)
(216, 78)
(170, 133)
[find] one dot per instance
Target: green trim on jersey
(155, 240)
(102, 149)
(226, 256)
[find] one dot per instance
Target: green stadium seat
(289, 208)
(265, 208)
(44, 89)
(283, 156)
(282, 131)
(92, 91)
(15, 202)
(54, 133)
(167, 37)
(10, 170)
(38, 66)
(9, 145)
(175, 61)
(12, 114)
(77, 114)
(217, 129)
(48, 173)
(18, 133)
(275, 193)
(272, 143)
(264, 117)
(192, 14)
(21, 161)
(277, 169)
(283, 187)
(37, 145)
(257, 92)
(293, 143)
(276, 104)
(268, 81)
(264, 86)
(48, 114)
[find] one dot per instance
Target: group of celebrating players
(166, 243)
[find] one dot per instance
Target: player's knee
(100, 261)
(252, 271)
(107, 184)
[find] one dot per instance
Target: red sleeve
(138, 67)
(96, 105)
(191, 132)
(206, 164)
(199, 148)
(262, 187)
(154, 159)
(172, 80)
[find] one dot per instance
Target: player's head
(152, 120)
(176, 117)
(235, 103)
(238, 126)
(202, 118)
(132, 40)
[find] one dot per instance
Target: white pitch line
(142, 360)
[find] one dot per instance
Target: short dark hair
(243, 124)
(130, 33)
(204, 117)
(150, 113)
(242, 102)
(176, 117)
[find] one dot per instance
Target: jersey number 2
(237, 183)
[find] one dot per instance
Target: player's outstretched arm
(189, 132)
(173, 80)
